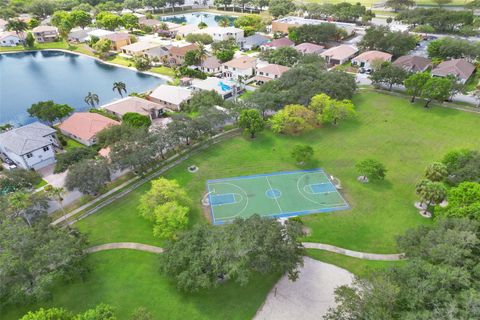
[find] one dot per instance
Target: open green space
(405, 137)
(127, 279)
(358, 267)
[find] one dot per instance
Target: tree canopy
(49, 111)
(438, 281)
(88, 176)
(382, 39)
(205, 255)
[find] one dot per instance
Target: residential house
(283, 24)
(459, 68)
(184, 30)
(210, 65)
(157, 54)
(139, 48)
(176, 55)
(224, 33)
(309, 48)
(151, 23)
(365, 59)
(84, 126)
(413, 63)
(278, 43)
(11, 38)
(170, 29)
(170, 97)
(118, 39)
(31, 146)
(99, 33)
(339, 54)
(136, 105)
(78, 35)
(254, 41)
(45, 34)
(269, 72)
(225, 88)
(243, 66)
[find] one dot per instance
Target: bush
(136, 120)
(199, 37)
(372, 169)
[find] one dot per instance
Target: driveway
(309, 297)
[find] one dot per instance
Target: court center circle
(273, 193)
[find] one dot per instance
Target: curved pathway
(308, 245)
(125, 245)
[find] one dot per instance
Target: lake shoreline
(161, 76)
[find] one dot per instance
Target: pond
(196, 17)
(30, 77)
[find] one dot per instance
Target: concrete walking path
(354, 254)
(125, 245)
(308, 245)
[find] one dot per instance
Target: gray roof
(255, 40)
(27, 138)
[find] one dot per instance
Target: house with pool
(224, 87)
(29, 147)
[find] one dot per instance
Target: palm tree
(224, 22)
(16, 25)
(57, 195)
(92, 99)
(20, 202)
(120, 87)
(201, 52)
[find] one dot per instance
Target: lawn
(50, 45)
(405, 137)
(358, 267)
(127, 279)
(166, 71)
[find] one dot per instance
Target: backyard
(403, 136)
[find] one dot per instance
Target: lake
(195, 18)
(30, 77)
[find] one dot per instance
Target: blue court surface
(277, 195)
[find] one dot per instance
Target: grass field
(403, 136)
(127, 279)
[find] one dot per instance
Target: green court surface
(278, 195)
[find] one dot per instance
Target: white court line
(271, 188)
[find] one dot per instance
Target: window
(29, 155)
(46, 149)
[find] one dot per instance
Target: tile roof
(44, 29)
(244, 62)
(171, 94)
(132, 104)
(369, 56)
(26, 139)
(141, 46)
(413, 63)
(157, 51)
(86, 125)
(211, 62)
(116, 36)
(274, 69)
(457, 67)
(308, 48)
(6, 34)
(181, 51)
(340, 52)
(279, 43)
